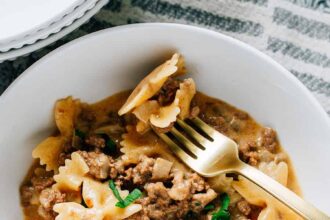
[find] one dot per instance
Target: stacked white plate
(26, 26)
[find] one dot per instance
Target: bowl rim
(312, 99)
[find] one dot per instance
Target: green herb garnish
(130, 198)
(209, 207)
(223, 213)
(115, 191)
(79, 134)
(110, 145)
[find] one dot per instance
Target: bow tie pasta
(66, 111)
(71, 175)
(152, 83)
(100, 203)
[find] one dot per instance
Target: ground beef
(42, 182)
(138, 216)
(253, 158)
(217, 122)
(181, 187)
(181, 209)
(248, 152)
(139, 174)
(48, 198)
(95, 140)
(26, 195)
(198, 183)
(143, 170)
(244, 207)
(158, 193)
(167, 93)
(98, 163)
(116, 168)
(268, 139)
(181, 194)
(159, 205)
(62, 157)
(186, 185)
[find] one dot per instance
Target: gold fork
(218, 154)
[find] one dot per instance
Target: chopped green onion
(79, 134)
(209, 207)
(130, 198)
(115, 191)
(223, 213)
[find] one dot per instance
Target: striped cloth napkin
(296, 33)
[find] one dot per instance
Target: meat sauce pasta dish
(105, 161)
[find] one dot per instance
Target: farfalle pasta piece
(166, 114)
(152, 83)
(134, 145)
(98, 195)
(75, 211)
(71, 175)
(143, 113)
(66, 111)
(279, 171)
(151, 111)
(142, 127)
(49, 150)
(185, 94)
(100, 203)
(256, 196)
(269, 213)
(179, 107)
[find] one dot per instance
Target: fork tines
(188, 140)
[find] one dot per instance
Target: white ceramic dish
(19, 18)
(97, 65)
(59, 31)
(51, 28)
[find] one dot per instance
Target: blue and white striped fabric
(296, 33)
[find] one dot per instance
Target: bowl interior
(106, 62)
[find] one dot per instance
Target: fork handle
(283, 194)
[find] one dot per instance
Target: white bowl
(100, 64)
